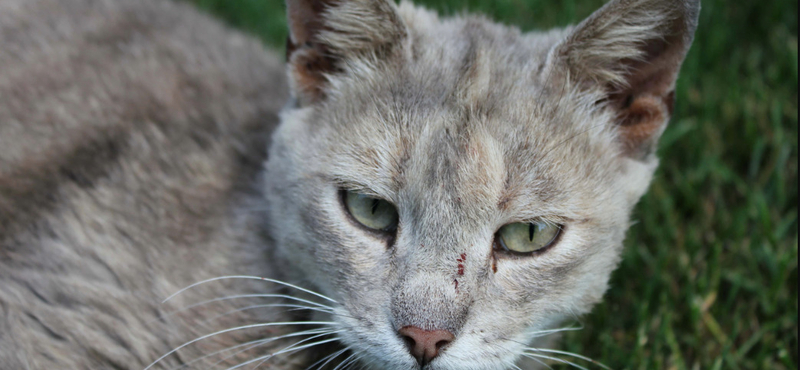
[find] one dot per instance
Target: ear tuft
(633, 49)
(308, 65)
(323, 34)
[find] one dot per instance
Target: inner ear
(307, 58)
(308, 65)
(641, 119)
(645, 103)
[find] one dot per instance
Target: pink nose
(425, 345)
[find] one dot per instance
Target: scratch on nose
(461, 260)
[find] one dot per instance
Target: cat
(406, 192)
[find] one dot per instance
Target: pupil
(375, 204)
(530, 231)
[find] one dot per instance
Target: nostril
(425, 345)
(410, 343)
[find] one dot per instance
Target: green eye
(527, 237)
(374, 213)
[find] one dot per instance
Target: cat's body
(132, 136)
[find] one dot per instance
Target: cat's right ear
(325, 34)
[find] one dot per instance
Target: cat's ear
(324, 34)
(633, 49)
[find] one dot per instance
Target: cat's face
(462, 127)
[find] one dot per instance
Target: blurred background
(709, 275)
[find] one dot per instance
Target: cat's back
(129, 134)
(102, 66)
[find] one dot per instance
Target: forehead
(472, 119)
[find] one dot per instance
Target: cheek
(348, 255)
(540, 292)
(591, 278)
(582, 283)
(528, 280)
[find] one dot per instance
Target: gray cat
(440, 193)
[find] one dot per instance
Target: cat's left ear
(633, 49)
(325, 34)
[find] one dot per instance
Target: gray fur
(466, 126)
(129, 132)
(131, 135)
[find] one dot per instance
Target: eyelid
(550, 220)
(360, 189)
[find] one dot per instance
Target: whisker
(330, 358)
(259, 295)
(539, 361)
(344, 362)
(293, 347)
(252, 326)
(548, 332)
(286, 350)
(274, 354)
(359, 357)
(543, 333)
(261, 363)
(565, 353)
(367, 365)
(245, 277)
(516, 367)
(352, 363)
(241, 296)
(523, 354)
(254, 343)
(528, 355)
(252, 307)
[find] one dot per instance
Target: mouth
(322, 335)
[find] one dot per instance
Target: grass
(709, 276)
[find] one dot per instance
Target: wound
(461, 260)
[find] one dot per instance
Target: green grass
(709, 276)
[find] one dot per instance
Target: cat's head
(460, 187)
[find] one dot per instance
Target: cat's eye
(527, 237)
(374, 213)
